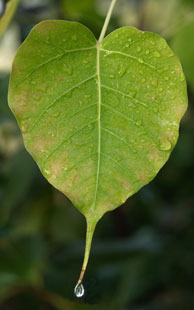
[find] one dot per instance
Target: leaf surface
(99, 119)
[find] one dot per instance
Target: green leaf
(182, 44)
(11, 6)
(100, 119)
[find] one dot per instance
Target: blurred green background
(143, 253)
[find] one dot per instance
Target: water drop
(79, 290)
(157, 54)
(138, 123)
(132, 93)
(47, 173)
(165, 145)
(122, 71)
(154, 83)
(182, 78)
(74, 37)
(68, 69)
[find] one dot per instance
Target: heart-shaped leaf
(100, 119)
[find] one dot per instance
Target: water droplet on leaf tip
(79, 290)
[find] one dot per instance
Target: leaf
(99, 119)
(182, 44)
(11, 6)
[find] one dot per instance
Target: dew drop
(132, 93)
(122, 71)
(79, 290)
(47, 173)
(155, 109)
(182, 78)
(157, 54)
(138, 123)
(24, 128)
(74, 37)
(154, 83)
(165, 145)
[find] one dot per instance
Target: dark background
(143, 253)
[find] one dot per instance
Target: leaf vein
(116, 162)
(123, 94)
(51, 60)
(132, 57)
(77, 131)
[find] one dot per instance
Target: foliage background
(143, 253)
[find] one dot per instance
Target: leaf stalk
(107, 20)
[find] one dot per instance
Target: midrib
(99, 122)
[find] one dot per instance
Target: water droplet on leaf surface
(165, 145)
(138, 123)
(79, 290)
(157, 54)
